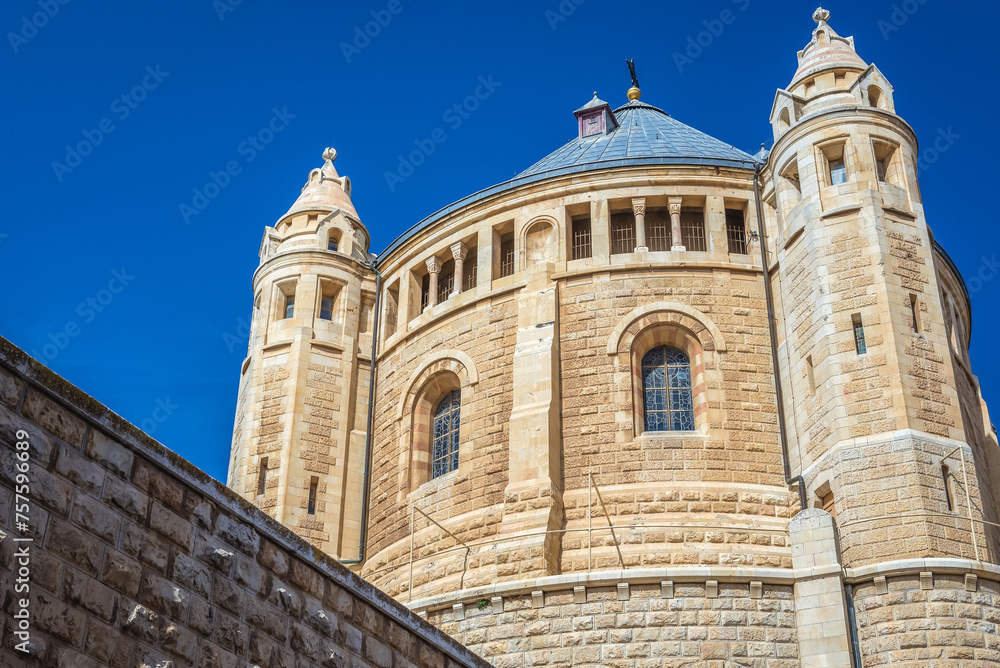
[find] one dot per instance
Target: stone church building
(654, 402)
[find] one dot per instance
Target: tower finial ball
(821, 15)
(330, 154)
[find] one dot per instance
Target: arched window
(666, 390)
(444, 457)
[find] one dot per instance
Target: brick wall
(138, 558)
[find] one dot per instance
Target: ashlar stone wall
(139, 559)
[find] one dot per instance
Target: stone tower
(299, 437)
(882, 412)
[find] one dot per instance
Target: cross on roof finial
(633, 93)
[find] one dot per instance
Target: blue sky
(144, 307)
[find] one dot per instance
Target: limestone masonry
(654, 402)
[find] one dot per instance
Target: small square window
(838, 171)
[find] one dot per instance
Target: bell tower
(872, 403)
(298, 448)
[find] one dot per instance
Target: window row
(667, 394)
(835, 165)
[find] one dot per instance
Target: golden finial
(633, 93)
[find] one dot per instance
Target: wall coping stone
(46, 381)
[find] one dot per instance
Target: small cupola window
(595, 118)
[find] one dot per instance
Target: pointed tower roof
(826, 51)
(325, 191)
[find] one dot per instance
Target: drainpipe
(371, 421)
(774, 345)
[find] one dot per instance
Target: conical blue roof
(646, 135)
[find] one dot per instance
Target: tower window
(262, 476)
(859, 334)
(507, 255)
(326, 307)
(313, 488)
(289, 306)
(736, 232)
(447, 423)
(838, 171)
(581, 237)
(666, 390)
(470, 269)
(658, 229)
(811, 375)
(693, 229)
(332, 243)
(622, 232)
(885, 170)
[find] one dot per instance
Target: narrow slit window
(693, 229)
(736, 232)
(915, 313)
(827, 503)
(622, 233)
(507, 255)
(859, 335)
(582, 248)
(262, 476)
(811, 374)
(313, 488)
(949, 498)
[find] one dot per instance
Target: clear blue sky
(161, 341)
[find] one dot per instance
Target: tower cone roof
(325, 191)
(826, 51)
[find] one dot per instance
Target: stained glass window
(444, 458)
(666, 390)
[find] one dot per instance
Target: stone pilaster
(820, 608)
(533, 498)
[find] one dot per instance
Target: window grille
(693, 230)
(446, 281)
(507, 255)
(666, 390)
(425, 292)
(447, 422)
(658, 230)
(581, 238)
(470, 269)
(622, 233)
(736, 232)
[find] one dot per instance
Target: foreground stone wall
(139, 559)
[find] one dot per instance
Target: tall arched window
(444, 456)
(666, 390)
